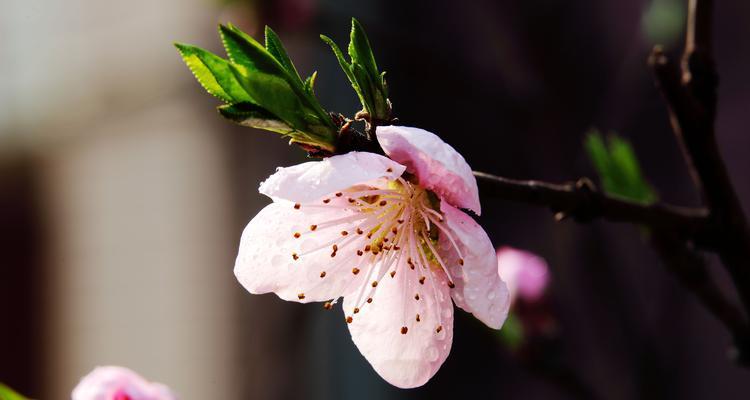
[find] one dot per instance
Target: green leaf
(273, 93)
(360, 50)
(310, 83)
(248, 114)
(213, 73)
(344, 66)
(7, 393)
(512, 333)
(277, 50)
(618, 168)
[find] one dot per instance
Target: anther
(394, 230)
(393, 273)
(344, 233)
(335, 248)
(418, 318)
(295, 256)
(389, 169)
(397, 248)
(385, 240)
(367, 248)
(355, 271)
(360, 252)
(301, 296)
(351, 200)
(439, 328)
(416, 296)
(369, 235)
(297, 235)
(322, 274)
(339, 194)
(360, 231)
(383, 202)
(374, 283)
(460, 261)
(326, 201)
(421, 280)
(328, 305)
(333, 254)
(349, 320)
(313, 227)
(404, 330)
(356, 310)
(451, 284)
(400, 221)
(369, 300)
(297, 206)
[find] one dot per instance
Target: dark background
(514, 86)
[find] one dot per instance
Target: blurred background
(123, 194)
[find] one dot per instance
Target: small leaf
(7, 393)
(248, 114)
(277, 50)
(310, 83)
(345, 66)
(512, 333)
(213, 73)
(360, 50)
(618, 168)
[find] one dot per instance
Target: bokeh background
(123, 194)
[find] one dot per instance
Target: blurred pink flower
(384, 234)
(525, 273)
(118, 383)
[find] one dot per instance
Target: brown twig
(582, 201)
(690, 93)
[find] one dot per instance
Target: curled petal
(310, 181)
(280, 253)
(525, 273)
(406, 331)
(479, 288)
(114, 383)
(438, 166)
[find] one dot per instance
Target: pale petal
(310, 181)
(479, 288)
(411, 359)
(525, 273)
(438, 166)
(266, 260)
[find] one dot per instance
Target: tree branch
(582, 201)
(690, 93)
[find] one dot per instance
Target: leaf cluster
(362, 72)
(618, 168)
(261, 88)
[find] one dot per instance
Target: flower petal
(310, 181)
(276, 253)
(479, 288)
(403, 348)
(438, 166)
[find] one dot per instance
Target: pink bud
(118, 383)
(525, 273)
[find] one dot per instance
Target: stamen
(297, 206)
(418, 318)
(369, 300)
(301, 296)
(416, 296)
(355, 271)
(322, 274)
(297, 235)
(393, 273)
(349, 320)
(356, 310)
(404, 330)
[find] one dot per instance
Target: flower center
(384, 227)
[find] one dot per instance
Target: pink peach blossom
(384, 234)
(118, 383)
(525, 273)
